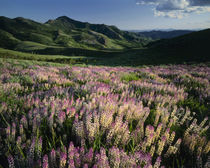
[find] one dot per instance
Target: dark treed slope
(189, 47)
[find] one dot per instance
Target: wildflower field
(119, 117)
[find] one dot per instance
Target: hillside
(155, 35)
(189, 48)
(27, 35)
(193, 46)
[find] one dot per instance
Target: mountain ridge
(66, 32)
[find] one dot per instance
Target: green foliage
(129, 77)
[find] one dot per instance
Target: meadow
(57, 115)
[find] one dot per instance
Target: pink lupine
(85, 166)
(61, 117)
(71, 164)
(149, 130)
(101, 159)
(71, 147)
(45, 162)
(114, 157)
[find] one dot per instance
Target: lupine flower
(63, 159)
(89, 156)
(71, 164)
(203, 122)
(13, 131)
(53, 157)
(161, 144)
(178, 142)
(157, 163)
(152, 150)
(114, 155)
(158, 130)
(207, 148)
(11, 161)
(19, 141)
(171, 138)
(45, 162)
(21, 129)
(8, 132)
(39, 147)
(32, 148)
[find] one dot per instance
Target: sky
(125, 14)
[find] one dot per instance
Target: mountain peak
(63, 17)
(66, 18)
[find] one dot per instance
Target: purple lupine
(53, 157)
(114, 157)
(11, 161)
(157, 163)
(19, 140)
(39, 148)
(34, 125)
(21, 129)
(13, 130)
(89, 156)
(63, 157)
(32, 148)
(77, 159)
(8, 131)
(102, 160)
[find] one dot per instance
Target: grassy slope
(10, 54)
(64, 32)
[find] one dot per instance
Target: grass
(4, 53)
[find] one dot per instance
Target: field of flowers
(101, 117)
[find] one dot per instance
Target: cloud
(177, 8)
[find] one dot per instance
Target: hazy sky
(125, 14)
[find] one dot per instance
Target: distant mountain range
(25, 34)
(155, 34)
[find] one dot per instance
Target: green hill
(189, 47)
(65, 33)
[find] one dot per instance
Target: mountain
(156, 34)
(28, 35)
